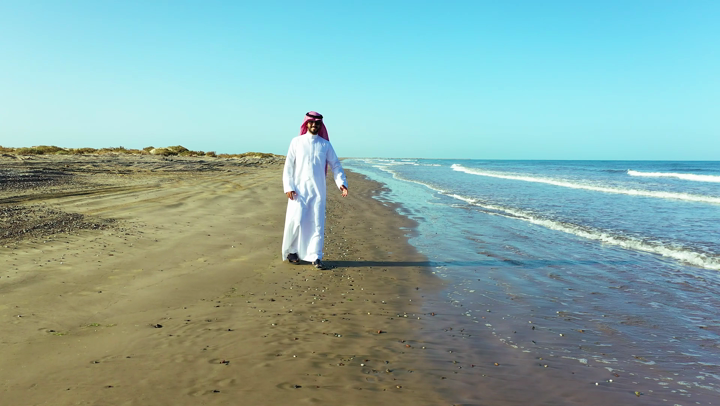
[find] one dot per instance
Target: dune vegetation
(177, 150)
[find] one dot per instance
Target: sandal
(293, 258)
(318, 264)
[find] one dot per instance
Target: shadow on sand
(360, 264)
(528, 264)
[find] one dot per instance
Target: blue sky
(458, 79)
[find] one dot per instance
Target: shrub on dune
(49, 149)
(39, 150)
(258, 155)
(163, 152)
(118, 150)
(178, 149)
(191, 153)
(29, 151)
(255, 155)
(112, 150)
(83, 151)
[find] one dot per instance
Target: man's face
(313, 127)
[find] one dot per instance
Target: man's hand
(344, 191)
(291, 195)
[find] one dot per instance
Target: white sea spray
(683, 176)
(595, 188)
(702, 260)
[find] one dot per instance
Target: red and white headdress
(314, 116)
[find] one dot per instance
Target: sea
(618, 260)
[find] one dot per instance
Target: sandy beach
(146, 280)
(140, 280)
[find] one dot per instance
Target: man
(306, 165)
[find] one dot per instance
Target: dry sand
(151, 281)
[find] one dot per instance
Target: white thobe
(304, 173)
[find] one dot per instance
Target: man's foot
(318, 264)
(293, 258)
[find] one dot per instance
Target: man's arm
(289, 172)
(337, 170)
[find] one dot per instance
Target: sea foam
(683, 176)
(604, 189)
(678, 253)
(682, 254)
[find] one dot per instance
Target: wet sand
(152, 281)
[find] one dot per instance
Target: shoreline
(182, 298)
(517, 325)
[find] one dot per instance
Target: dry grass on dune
(177, 150)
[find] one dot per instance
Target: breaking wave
(682, 254)
(677, 252)
(604, 189)
(683, 176)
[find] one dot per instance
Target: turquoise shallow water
(627, 252)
